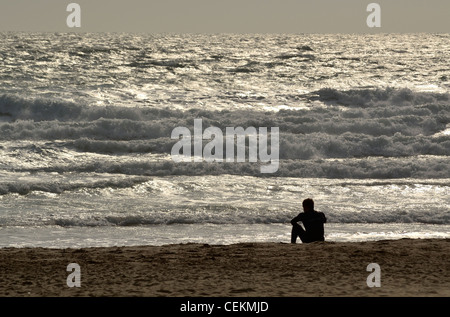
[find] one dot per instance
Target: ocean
(86, 122)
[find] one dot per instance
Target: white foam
(56, 237)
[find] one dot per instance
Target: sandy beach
(408, 268)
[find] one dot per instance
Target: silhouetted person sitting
(313, 222)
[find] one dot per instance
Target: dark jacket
(313, 222)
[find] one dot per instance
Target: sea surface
(86, 122)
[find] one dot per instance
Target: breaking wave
(235, 216)
(25, 187)
(334, 135)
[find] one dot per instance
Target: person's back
(312, 220)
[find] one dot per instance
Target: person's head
(308, 205)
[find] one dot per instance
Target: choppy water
(86, 120)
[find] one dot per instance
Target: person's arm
(296, 219)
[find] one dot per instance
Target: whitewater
(86, 122)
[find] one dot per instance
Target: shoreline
(408, 268)
(215, 234)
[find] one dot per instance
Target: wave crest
(354, 124)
